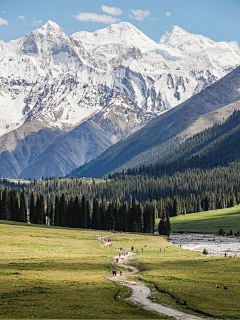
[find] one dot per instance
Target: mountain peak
(50, 25)
(175, 33)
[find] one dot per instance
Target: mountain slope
(166, 131)
(214, 147)
(35, 150)
(60, 81)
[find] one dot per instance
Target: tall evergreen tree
(56, 212)
(88, 215)
(23, 208)
(32, 211)
(76, 213)
(110, 222)
(96, 224)
(83, 213)
(5, 205)
(62, 211)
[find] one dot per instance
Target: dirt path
(140, 292)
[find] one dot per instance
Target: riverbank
(219, 246)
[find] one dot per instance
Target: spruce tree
(76, 213)
(23, 208)
(56, 211)
(5, 205)
(83, 213)
(88, 215)
(32, 212)
(110, 221)
(96, 224)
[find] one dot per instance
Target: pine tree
(32, 212)
(102, 214)
(83, 214)
(96, 224)
(62, 211)
(76, 213)
(88, 215)
(175, 209)
(40, 211)
(22, 209)
(5, 205)
(56, 212)
(110, 222)
(13, 205)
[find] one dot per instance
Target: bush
(205, 251)
(221, 232)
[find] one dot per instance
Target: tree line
(75, 212)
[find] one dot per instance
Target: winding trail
(140, 292)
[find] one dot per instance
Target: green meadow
(208, 221)
(59, 273)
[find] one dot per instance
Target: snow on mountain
(158, 76)
(61, 82)
(36, 150)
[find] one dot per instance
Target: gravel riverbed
(214, 244)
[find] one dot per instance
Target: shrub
(205, 251)
(221, 232)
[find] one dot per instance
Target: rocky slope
(94, 89)
(165, 132)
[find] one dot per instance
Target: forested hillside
(171, 128)
(201, 174)
(217, 146)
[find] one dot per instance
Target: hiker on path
(117, 260)
(132, 248)
(121, 273)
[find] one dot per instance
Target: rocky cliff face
(99, 87)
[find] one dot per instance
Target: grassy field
(208, 221)
(187, 276)
(58, 273)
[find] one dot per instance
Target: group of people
(114, 272)
(225, 287)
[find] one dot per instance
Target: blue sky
(216, 19)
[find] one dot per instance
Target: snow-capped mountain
(99, 87)
(159, 76)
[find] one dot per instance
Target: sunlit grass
(188, 275)
(59, 273)
(208, 221)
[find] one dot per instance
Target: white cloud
(21, 18)
(140, 15)
(3, 22)
(94, 17)
(35, 22)
(168, 14)
(111, 10)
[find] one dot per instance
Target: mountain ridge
(166, 131)
(49, 76)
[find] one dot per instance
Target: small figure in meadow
(117, 260)
(217, 285)
(226, 287)
(113, 272)
(121, 273)
(132, 249)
